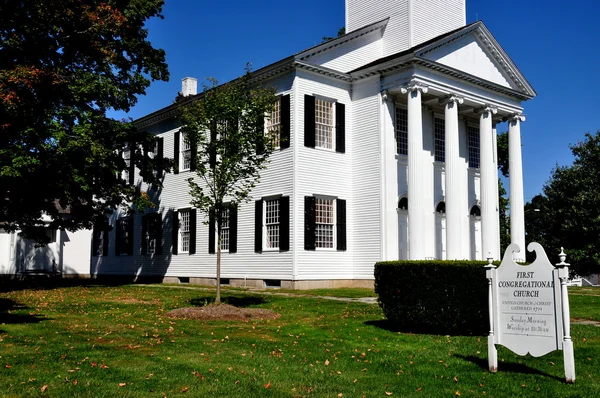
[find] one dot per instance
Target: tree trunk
(218, 298)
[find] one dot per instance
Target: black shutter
(258, 226)
(211, 232)
(309, 222)
(146, 219)
(340, 127)
(176, 146)
(105, 240)
(118, 238)
(175, 232)
(285, 118)
(158, 232)
(309, 121)
(192, 231)
(233, 215)
(145, 154)
(260, 136)
(131, 163)
(160, 155)
(284, 223)
(130, 236)
(212, 160)
(193, 155)
(341, 223)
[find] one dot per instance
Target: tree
(63, 65)
(341, 32)
(567, 214)
(226, 125)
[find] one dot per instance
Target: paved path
(366, 300)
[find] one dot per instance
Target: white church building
(388, 151)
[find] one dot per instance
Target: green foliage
(567, 214)
(443, 297)
(226, 125)
(63, 65)
(341, 32)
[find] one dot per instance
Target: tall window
(323, 124)
(324, 224)
(123, 235)
(401, 131)
(439, 132)
(225, 229)
(272, 224)
(473, 138)
(152, 230)
(274, 124)
(127, 158)
(186, 153)
(184, 231)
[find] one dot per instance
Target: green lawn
(107, 341)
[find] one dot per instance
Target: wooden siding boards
(350, 55)
(366, 170)
(322, 172)
(431, 18)
(277, 179)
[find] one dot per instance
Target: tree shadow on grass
(511, 367)
(44, 283)
(399, 328)
(8, 318)
(236, 301)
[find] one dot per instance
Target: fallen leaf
(268, 385)
(455, 379)
(122, 384)
(340, 395)
(388, 393)
(327, 362)
(457, 393)
(103, 366)
(44, 388)
(184, 389)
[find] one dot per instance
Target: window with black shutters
(124, 236)
(324, 124)
(324, 223)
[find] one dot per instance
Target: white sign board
(527, 313)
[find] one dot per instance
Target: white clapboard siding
(431, 18)
(323, 172)
(366, 169)
(350, 55)
(276, 179)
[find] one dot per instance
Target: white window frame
(126, 155)
(184, 230)
(333, 222)
(13, 245)
(398, 131)
(273, 124)
(225, 228)
(185, 151)
(267, 224)
(439, 144)
(332, 125)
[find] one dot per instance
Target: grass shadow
(399, 328)
(8, 318)
(236, 301)
(511, 367)
(43, 283)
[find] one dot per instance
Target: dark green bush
(441, 297)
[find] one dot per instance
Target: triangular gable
(475, 51)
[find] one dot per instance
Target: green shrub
(441, 297)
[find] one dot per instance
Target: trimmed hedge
(439, 297)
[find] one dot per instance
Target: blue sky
(554, 43)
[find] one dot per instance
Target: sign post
(529, 308)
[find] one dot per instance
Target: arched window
(475, 211)
(403, 203)
(441, 208)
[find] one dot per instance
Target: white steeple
(411, 22)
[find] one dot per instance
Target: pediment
(475, 52)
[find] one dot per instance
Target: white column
(453, 185)
(389, 224)
(416, 196)
(515, 172)
(488, 183)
